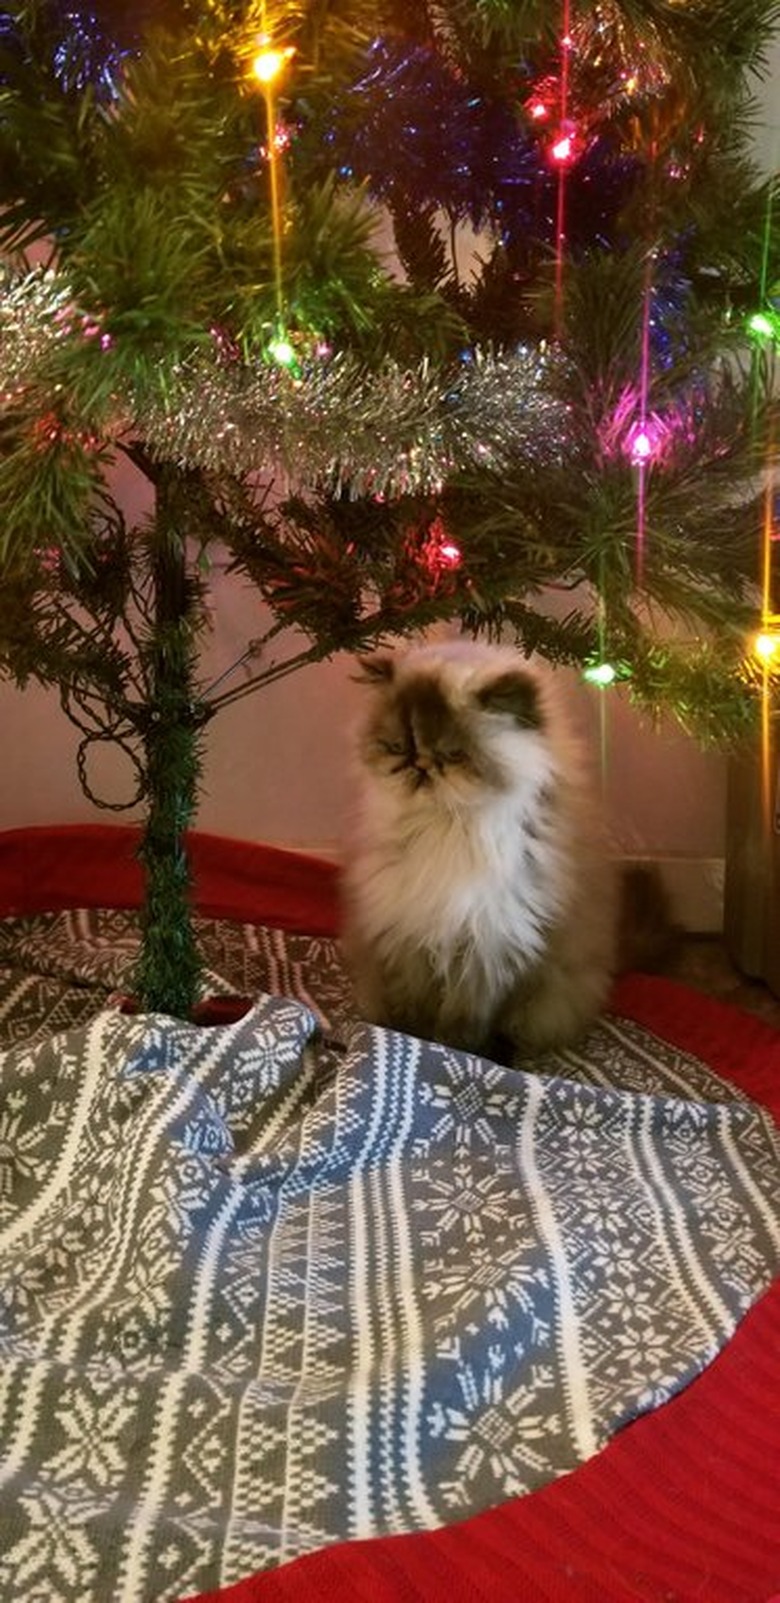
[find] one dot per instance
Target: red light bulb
(563, 149)
(450, 554)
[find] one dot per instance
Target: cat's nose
(421, 772)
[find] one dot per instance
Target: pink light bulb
(641, 446)
(644, 441)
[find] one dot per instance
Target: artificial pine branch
(461, 477)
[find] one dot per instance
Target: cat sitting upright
(480, 901)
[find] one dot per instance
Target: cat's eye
(392, 748)
(455, 756)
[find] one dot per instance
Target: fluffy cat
(480, 902)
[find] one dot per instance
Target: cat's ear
(378, 669)
(514, 692)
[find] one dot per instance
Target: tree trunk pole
(168, 972)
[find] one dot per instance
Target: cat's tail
(648, 936)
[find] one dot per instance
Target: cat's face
(437, 736)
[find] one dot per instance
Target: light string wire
(275, 189)
(560, 211)
(767, 617)
(644, 387)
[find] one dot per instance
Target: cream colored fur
(479, 910)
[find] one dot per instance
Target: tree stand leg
(752, 887)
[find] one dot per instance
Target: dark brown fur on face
(416, 734)
(416, 731)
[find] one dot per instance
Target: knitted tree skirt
(293, 1308)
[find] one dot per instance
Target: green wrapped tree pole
(169, 969)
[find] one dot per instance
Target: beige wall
(276, 764)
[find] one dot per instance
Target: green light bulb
(282, 351)
(761, 323)
(600, 673)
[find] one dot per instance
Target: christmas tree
(460, 310)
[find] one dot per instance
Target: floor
(702, 962)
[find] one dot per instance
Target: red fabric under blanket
(45, 869)
(684, 1505)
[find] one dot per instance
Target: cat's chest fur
(488, 879)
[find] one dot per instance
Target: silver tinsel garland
(36, 315)
(388, 431)
(391, 431)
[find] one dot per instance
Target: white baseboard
(695, 889)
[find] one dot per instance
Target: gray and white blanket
(267, 1286)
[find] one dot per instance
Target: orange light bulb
(767, 647)
(269, 63)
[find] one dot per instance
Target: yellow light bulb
(767, 646)
(269, 63)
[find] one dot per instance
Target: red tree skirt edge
(51, 867)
